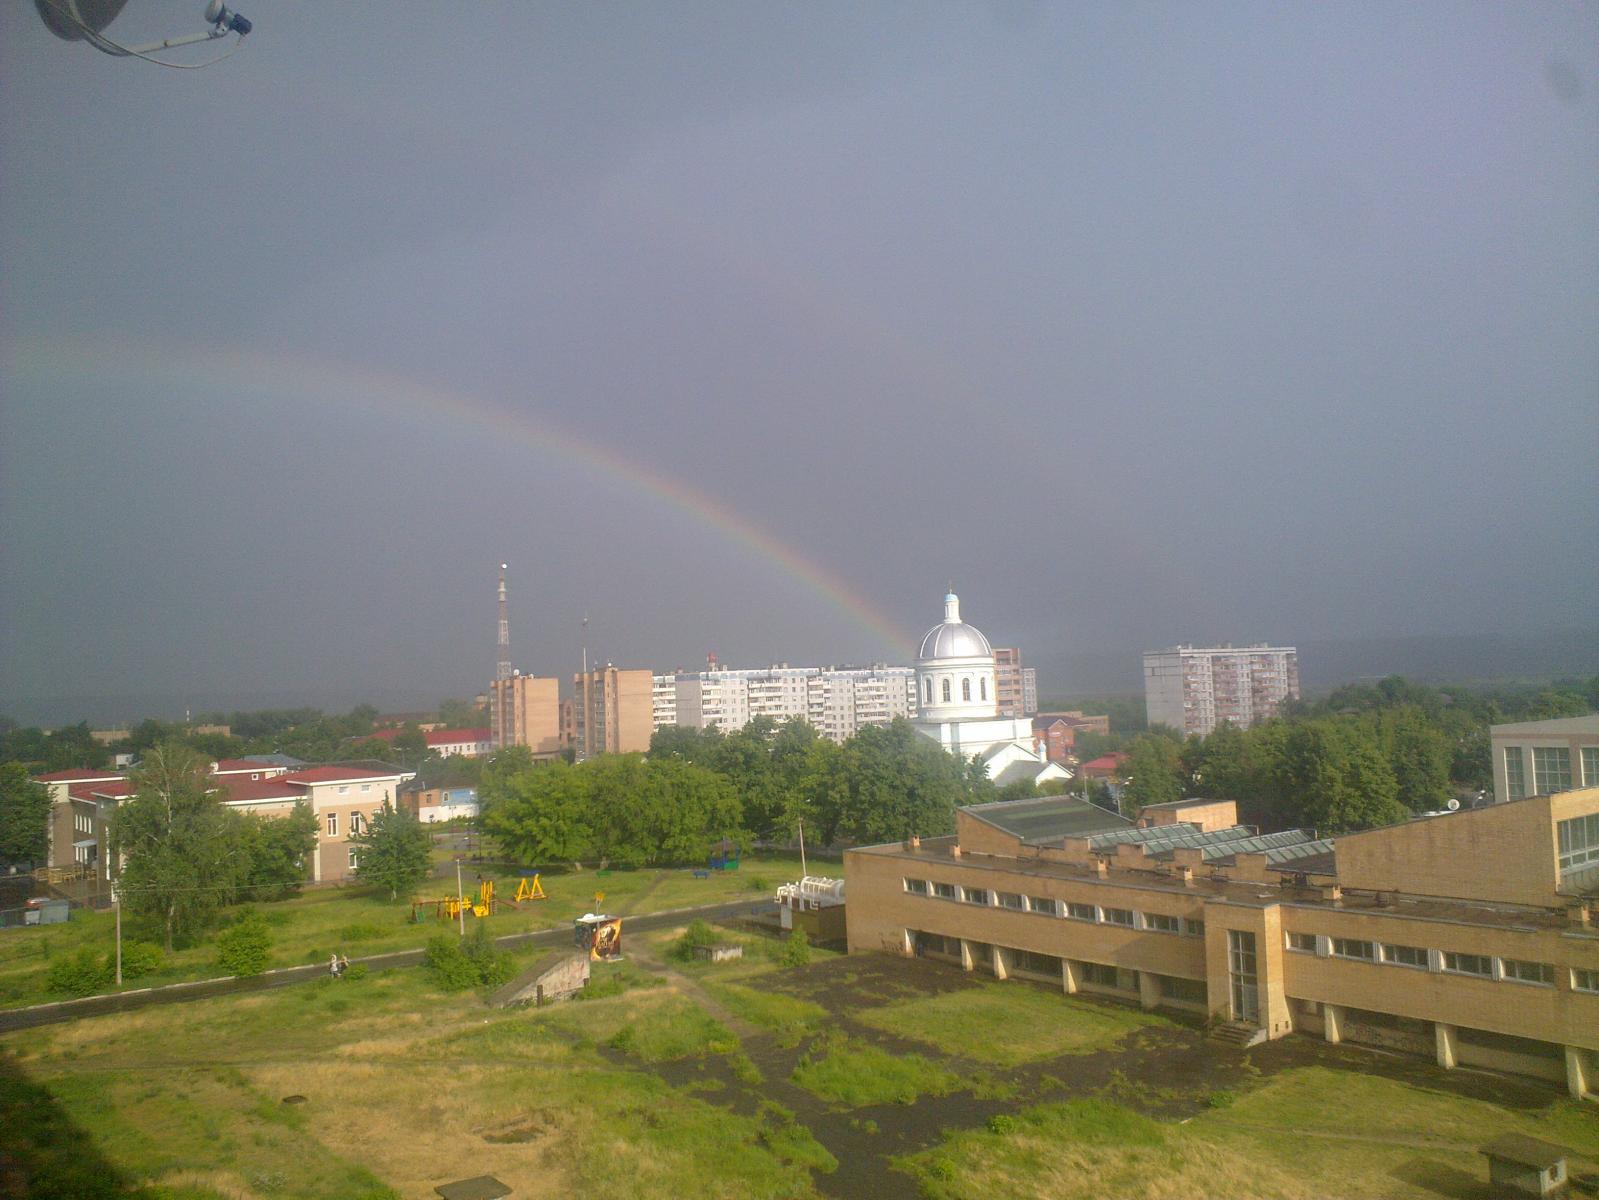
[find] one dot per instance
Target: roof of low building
(1525, 1151)
(78, 775)
(1048, 818)
(236, 766)
(241, 791)
(341, 774)
(451, 737)
(1558, 727)
(1174, 805)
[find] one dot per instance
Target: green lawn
(1006, 1024)
(787, 1016)
(1308, 1133)
(357, 921)
(854, 1074)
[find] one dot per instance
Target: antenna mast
(503, 670)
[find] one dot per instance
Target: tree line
(1363, 756)
(698, 789)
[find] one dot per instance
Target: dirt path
(650, 960)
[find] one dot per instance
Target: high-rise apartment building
(612, 711)
(838, 701)
(1194, 689)
(1015, 686)
(527, 712)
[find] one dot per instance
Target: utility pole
(460, 897)
(588, 712)
(116, 899)
(803, 871)
(501, 719)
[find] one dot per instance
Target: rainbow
(52, 360)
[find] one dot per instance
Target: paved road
(177, 993)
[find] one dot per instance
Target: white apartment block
(838, 701)
(1194, 689)
(1541, 758)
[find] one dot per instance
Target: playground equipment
(529, 888)
(480, 905)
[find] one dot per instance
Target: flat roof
(1558, 727)
(1174, 805)
(1525, 1151)
(1048, 817)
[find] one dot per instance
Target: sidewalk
(202, 989)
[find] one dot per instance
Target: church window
(966, 690)
(927, 691)
(946, 691)
(982, 687)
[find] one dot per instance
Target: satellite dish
(75, 20)
(1453, 805)
(85, 21)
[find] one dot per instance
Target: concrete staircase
(1238, 1033)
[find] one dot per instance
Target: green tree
(538, 813)
(393, 851)
(24, 816)
(1153, 771)
(890, 782)
(1334, 778)
(183, 854)
(1420, 754)
(461, 714)
(278, 852)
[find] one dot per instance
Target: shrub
(81, 975)
(941, 1169)
(697, 934)
(458, 965)
(362, 932)
(796, 950)
(138, 960)
(356, 971)
(245, 946)
(1000, 1123)
(757, 883)
(1221, 1098)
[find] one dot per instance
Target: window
(1193, 928)
(333, 824)
(355, 824)
(1468, 964)
(1551, 769)
(1037, 964)
(366, 787)
(1010, 900)
(944, 690)
(1081, 912)
(343, 788)
(1584, 981)
(1528, 972)
(918, 886)
(927, 691)
(1515, 773)
(944, 891)
(1354, 948)
(1188, 991)
(982, 687)
(1404, 956)
(1579, 841)
(354, 863)
(1161, 923)
(1118, 916)
(1590, 766)
(976, 895)
(966, 690)
(1042, 904)
(1305, 943)
(1098, 974)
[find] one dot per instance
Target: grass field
(1006, 1025)
(356, 920)
(744, 1079)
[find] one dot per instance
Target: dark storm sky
(1140, 323)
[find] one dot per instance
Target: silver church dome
(953, 638)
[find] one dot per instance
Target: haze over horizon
(750, 329)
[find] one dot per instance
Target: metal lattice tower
(503, 669)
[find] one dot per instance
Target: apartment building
(1193, 689)
(1469, 936)
(838, 701)
(612, 711)
(663, 700)
(1538, 758)
(1015, 686)
(528, 709)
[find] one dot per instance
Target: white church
(958, 708)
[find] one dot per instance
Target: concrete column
(1068, 976)
(1148, 990)
(1577, 1073)
(1001, 966)
(1445, 1038)
(966, 955)
(1332, 1022)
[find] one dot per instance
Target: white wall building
(838, 701)
(1193, 689)
(958, 705)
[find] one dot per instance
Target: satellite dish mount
(85, 21)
